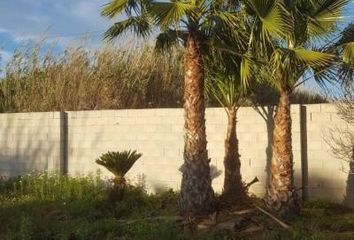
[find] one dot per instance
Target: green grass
(56, 207)
(48, 206)
(319, 220)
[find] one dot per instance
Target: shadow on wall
(38, 142)
(27, 144)
(267, 113)
(349, 196)
(86, 142)
(340, 140)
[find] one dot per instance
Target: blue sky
(58, 21)
(62, 22)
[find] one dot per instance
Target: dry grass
(108, 78)
(37, 78)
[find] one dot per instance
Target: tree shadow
(340, 139)
(29, 143)
(349, 191)
(267, 114)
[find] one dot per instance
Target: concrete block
(259, 128)
(177, 129)
(215, 119)
(108, 113)
(170, 112)
(244, 111)
(313, 108)
(122, 120)
(328, 108)
(322, 117)
(42, 115)
(87, 114)
(314, 145)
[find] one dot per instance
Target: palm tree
(191, 23)
(241, 62)
(294, 56)
(226, 89)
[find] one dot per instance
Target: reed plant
(111, 77)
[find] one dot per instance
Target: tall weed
(107, 78)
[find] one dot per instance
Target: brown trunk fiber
(233, 185)
(197, 195)
(281, 196)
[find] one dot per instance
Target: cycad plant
(118, 163)
(190, 23)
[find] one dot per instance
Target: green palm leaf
(325, 16)
(114, 8)
(140, 25)
(314, 58)
(225, 89)
(246, 71)
(172, 12)
(272, 17)
(348, 54)
(117, 7)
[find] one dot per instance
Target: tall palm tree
(294, 56)
(192, 23)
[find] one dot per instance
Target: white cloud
(3, 30)
(56, 20)
(5, 56)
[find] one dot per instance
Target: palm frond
(346, 36)
(344, 48)
(272, 18)
(246, 71)
(348, 54)
(314, 58)
(170, 38)
(114, 8)
(325, 16)
(171, 12)
(140, 25)
(117, 7)
(226, 90)
(325, 74)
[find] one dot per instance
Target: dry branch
(160, 218)
(255, 180)
(281, 223)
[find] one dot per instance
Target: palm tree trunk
(281, 197)
(197, 195)
(233, 186)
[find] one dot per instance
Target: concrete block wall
(30, 142)
(72, 141)
(158, 135)
(328, 176)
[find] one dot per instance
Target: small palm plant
(118, 163)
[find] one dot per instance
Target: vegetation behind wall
(111, 77)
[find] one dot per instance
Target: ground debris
(241, 221)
